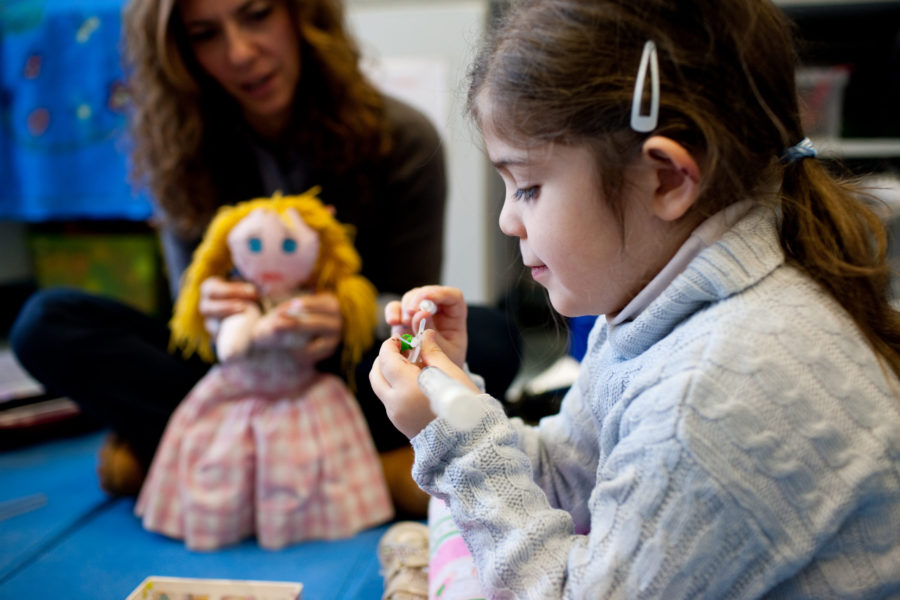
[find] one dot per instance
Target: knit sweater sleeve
(659, 524)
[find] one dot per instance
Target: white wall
(423, 48)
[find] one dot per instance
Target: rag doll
(262, 445)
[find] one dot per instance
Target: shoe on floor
(403, 555)
(119, 469)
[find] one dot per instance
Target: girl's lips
(537, 271)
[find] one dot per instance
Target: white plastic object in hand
(431, 308)
(428, 306)
(450, 399)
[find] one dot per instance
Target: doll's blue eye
(289, 245)
(254, 244)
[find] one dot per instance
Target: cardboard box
(182, 588)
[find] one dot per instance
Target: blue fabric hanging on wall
(63, 151)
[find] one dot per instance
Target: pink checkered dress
(258, 447)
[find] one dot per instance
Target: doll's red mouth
(271, 277)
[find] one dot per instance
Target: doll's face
(276, 257)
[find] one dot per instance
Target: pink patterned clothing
(258, 447)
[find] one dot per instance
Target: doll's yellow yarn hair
(336, 271)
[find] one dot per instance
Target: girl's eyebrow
(504, 162)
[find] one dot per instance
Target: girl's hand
(395, 381)
(220, 298)
(309, 326)
(449, 321)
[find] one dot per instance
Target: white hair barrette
(644, 123)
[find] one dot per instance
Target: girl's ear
(677, 177)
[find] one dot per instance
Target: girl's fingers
(395, 381)
(446, 298)
(393, 313)
(434, 356)
(379, 384)
(393, 365)
(449, 302)
(385, 370)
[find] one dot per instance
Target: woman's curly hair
(176, 106)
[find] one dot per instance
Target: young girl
(735, 429)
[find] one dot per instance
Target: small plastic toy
(413, 342)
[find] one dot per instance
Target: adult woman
(236, 99)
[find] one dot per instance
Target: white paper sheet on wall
(421, 82)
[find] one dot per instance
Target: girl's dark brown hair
(177, 109)
(564, 71)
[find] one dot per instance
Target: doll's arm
(236, 333)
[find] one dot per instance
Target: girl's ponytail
(833, 234)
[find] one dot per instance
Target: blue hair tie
(802, 149)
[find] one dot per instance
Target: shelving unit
(858, 148)
(818, 4)
(864, 37)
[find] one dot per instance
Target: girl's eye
(289, 245)
(529, 193)
(254, 244)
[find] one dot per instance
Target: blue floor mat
(61, 537)
(45, 491)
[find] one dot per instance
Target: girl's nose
(510, 224)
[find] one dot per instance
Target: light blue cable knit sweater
(738, 439)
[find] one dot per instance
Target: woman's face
(251, 48)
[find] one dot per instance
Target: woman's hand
(449, 321)
(220, 298)
(395, 381)
(309, 326)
